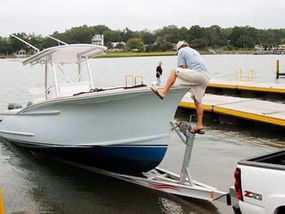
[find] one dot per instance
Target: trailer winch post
(188, 139)
(185, 172)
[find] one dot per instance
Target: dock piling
(278, 70)
(241, 77)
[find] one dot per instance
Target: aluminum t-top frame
(55, 58)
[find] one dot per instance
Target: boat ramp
(270, 112)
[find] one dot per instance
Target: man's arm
(183, 66)
(180, 59)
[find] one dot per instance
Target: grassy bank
(136, 54)
(167, 53)
(146, 54)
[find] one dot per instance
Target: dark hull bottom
(122, 159)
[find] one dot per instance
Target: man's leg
(170, 81)
(199, 112)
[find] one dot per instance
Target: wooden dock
(278, 88)
(246, 108)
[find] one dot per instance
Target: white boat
(119, 129)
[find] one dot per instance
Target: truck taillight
(238, 184)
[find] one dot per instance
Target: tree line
(163, 39)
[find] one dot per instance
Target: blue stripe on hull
(123, 159)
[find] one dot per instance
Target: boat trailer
(165, 181)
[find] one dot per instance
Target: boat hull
(127, 128)
(122, 159)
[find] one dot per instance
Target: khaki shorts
(197, 81)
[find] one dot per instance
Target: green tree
(147, 37)
(215, 36)
(100, 29)
(159, 40)
(161, 46)
(200, 43)
(112, 36)
(5, 48)
(81, 34)
(183, 34)
(196, 32)
(169, 33)
(135, 44)
(127, 34)
(16, 44)
(244, 41)
(244, 37)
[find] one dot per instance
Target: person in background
(190, 68)
(158, 73)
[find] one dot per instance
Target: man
(158, 73)
(190, 68)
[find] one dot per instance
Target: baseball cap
(180, 43)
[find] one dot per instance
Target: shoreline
(167, 53)
(150, 54)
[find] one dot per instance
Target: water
(36, 184)
(16, 80)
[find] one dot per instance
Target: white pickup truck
(260, 185)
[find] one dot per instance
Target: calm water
(38, 185)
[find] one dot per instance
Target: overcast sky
(46, 16)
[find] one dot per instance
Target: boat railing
(133, 80)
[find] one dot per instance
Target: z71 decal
(253, 195)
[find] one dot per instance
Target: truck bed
(274, 160)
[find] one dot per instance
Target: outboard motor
(14, 106)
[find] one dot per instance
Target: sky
(47, 16)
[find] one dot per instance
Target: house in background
(21, 54)
(281, 49)
(98, 39)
